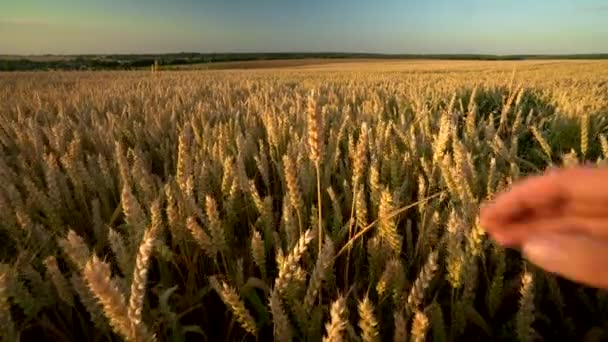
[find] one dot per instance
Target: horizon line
(302, 53)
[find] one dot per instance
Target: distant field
(262, 64)
(312, 63)
(428, 65)
(181, 61)
(383, 65)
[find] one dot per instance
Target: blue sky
(391, 26)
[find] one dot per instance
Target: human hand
(559, 220)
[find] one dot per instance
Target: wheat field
(336, 202)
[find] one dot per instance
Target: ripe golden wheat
(336, 205)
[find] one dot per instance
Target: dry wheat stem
(393, 214)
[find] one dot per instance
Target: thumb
(577, 257)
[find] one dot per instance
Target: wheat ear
(288, 265)
(281, 328)
(140, 273)
(315, 146)
(419, 327)
(201, 237)
(367, 321)
(337, 324)
(423, 280)
(61, 284)
(525, 315)
(7, 327)
(107, 291)
(387, 227)
(234, 302)
(322, 269)
(258, 252)
(75, 248)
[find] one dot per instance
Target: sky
(378, 26)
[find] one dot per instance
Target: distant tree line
(130, 62)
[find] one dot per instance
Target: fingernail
(544, 250)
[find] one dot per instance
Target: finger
(527, 199)
(591, 218)
(593, 209)
(586, 183)
(579, 191)
(577, 257)
(517, 233)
